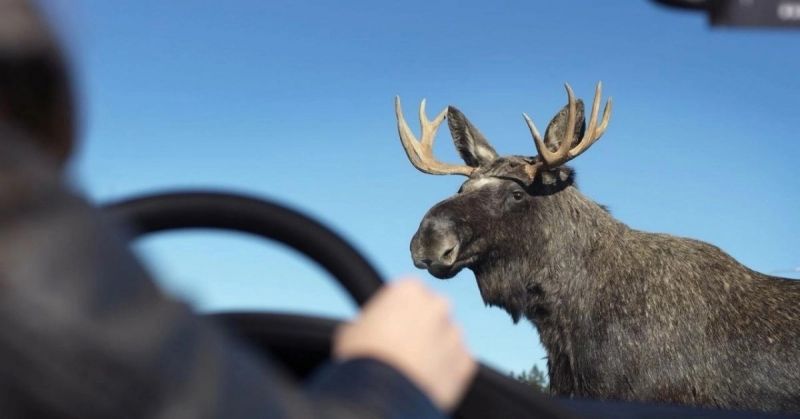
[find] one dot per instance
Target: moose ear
(471, 144)
(557, 127)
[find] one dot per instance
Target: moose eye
(517, 195)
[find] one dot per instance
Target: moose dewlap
(623, 314)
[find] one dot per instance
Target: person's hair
(35, 85)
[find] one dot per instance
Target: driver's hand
(410, 328)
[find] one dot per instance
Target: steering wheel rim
(224, 211)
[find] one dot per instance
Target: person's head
(35, 87)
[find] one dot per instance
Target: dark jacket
(85, 333)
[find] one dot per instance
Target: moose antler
(421, 152)
(565, 153)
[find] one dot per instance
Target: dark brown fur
(623, 314)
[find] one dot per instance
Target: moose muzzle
(435, 246)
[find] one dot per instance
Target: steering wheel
(302, 343)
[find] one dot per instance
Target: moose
(623, 314)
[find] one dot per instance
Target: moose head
(501, 209)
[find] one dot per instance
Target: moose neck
(551, 266)
(553, 273)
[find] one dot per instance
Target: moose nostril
(448, 254)
(425, 262)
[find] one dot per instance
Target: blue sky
(292, 100)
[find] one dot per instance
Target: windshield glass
(294, 101)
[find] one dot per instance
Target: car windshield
(294, 101)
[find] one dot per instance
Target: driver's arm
(84, 332)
